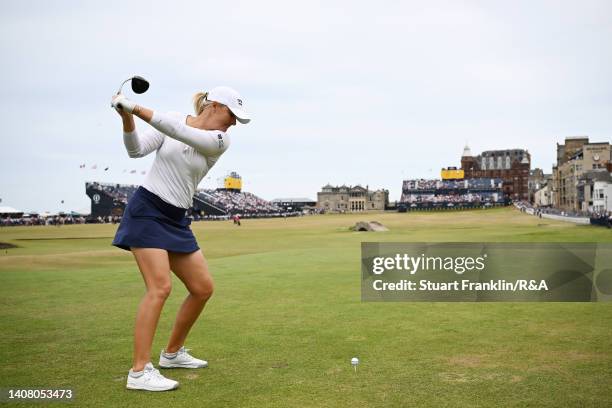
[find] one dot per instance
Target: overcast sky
(345, 92)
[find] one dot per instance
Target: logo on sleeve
(220, 140)
(239, 102)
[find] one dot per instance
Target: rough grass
(286, 318)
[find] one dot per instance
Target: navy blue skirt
(150, 222)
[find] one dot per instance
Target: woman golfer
(155, 227)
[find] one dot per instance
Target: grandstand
(109, 200)
(452, 193)
(229, 202)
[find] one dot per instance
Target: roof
(503, 151)
(596, 175)
(293, 200)
(82, 211)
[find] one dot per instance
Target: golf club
(139, 85)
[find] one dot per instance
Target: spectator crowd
(57, 220)
(466, 184)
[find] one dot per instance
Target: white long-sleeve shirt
(184, 155)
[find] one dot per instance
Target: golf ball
(354, 361)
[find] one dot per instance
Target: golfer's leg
(192, 270)
(155, 269)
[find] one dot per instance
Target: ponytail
(200, 102)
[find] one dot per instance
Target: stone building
(511, 165)
(351, 199)
(574, 158)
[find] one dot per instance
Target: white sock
(136, 374)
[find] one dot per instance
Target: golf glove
(120, 102)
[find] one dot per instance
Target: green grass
(286, 318)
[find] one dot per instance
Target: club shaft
(123, 83)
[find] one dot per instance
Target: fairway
(286, 319)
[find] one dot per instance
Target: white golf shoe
(182, 359)
(150, 380)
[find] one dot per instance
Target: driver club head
(139, 84)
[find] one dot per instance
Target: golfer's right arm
(138, 145)
(206, 142)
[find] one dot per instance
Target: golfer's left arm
(143, 113)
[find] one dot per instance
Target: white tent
(9, 210)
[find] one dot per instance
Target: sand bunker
(369, 226)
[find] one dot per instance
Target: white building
(602, 196)
(543, 197)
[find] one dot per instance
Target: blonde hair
(200, 102)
